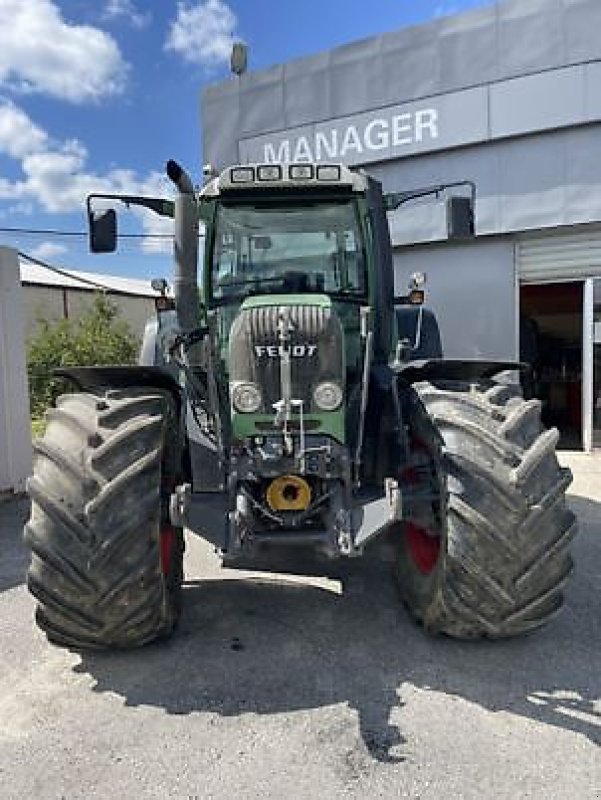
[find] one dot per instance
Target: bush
(97, 337)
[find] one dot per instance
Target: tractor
(293, 402)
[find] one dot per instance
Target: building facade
(508, 96)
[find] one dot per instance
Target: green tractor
(301, 405)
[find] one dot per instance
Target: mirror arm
(164, 208)
(395, 199)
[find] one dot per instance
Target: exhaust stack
(185, 250)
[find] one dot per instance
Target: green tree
(97, 337)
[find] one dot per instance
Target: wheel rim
(167, 544)
(423, 548)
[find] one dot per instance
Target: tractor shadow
(263, 647)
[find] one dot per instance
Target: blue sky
(96, 96)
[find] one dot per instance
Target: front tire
(106, 566)
(487, 554)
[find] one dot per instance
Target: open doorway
(551, 341)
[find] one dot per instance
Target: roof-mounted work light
(300, 172)
(242, 174)
(328, 172)
(269, 172)
(239, 58)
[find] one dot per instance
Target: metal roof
(37, 275)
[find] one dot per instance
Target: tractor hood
(285, 347)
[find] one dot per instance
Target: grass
(38, 427)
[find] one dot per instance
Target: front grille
(308, 321)
(316, 346)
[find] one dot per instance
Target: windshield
(297, 248)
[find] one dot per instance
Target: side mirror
(103, 231)
(460, 218)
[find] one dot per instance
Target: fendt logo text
(278, 350)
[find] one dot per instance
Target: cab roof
(242, 178)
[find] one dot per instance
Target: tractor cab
(284, 234)
(286, 284)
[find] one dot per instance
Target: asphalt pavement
(299, 687)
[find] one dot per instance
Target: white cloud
(41, 52)
(48, 250)
(60, 182)
(56, 176)
(19, 136)
(203, 33)
(156, 226)
(6, 189)
(127, 9)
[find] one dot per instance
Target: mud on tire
(494, 558)
(98, 518)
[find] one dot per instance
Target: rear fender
(121, 377)
(105, 378)
(442, 369)
(390, 392)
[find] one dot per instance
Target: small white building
(66, 294)
(15, 435)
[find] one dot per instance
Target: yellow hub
(288, 493)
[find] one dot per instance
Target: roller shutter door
(559, 257)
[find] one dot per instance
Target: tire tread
(96, 515)
(502, 572)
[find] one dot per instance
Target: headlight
(246, 398)
(327, 396)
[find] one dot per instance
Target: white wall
(15, 432)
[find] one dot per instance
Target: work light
(269, 172)
(328, 172)
(242, 175)
(300, 172)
